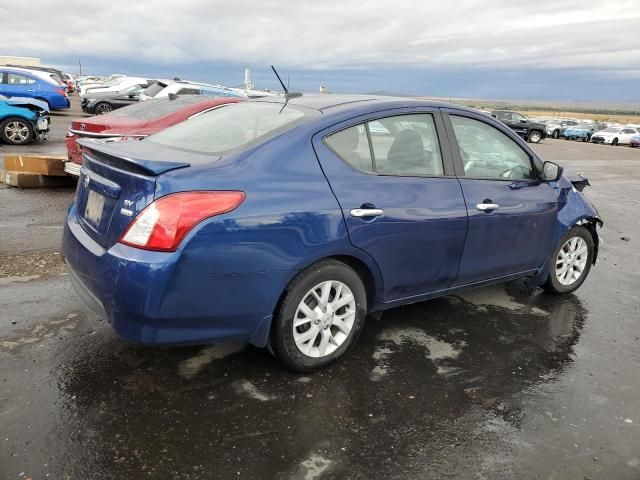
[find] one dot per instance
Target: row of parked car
(100, 96)
(534, 130)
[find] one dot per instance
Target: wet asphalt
(500, 382)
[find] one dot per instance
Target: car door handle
(30, 90)
(487, 206)
(366, 212)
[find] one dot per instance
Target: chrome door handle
(487, 206)
(30, 90)
(366, 212)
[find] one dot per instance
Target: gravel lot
(497, 383)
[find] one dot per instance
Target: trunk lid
(116, 182)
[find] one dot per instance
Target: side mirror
(551, 172)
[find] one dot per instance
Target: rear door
(512, 215)
(19, 85)
(401, 201)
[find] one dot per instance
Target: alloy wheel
(103, 108)
(324, 318)
(17, 132)
(572, 260)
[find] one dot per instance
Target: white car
(119, 86)
(99, 83)
(615, 135)
(154, 89)
(183, 87)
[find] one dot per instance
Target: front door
(512, 215)
(399, 196)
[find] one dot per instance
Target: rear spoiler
(123, 155)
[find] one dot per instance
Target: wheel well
(591, 224)
(360, 268)
(363, 272)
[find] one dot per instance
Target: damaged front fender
(573, 209)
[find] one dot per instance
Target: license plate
(95, 205)
(42, 124)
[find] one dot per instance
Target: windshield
(231, 127)
(153, 89)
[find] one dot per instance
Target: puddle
(192, 366)
(436, 350)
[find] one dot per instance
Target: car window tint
(352, 145)
(406, 145)
(488, 153)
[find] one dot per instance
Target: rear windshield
(155, 108)
(231, 127)
(154, 89)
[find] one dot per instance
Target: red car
(137, 121)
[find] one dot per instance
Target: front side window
(488, 153)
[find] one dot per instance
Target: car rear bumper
(164, 298)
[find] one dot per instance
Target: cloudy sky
(551, 50)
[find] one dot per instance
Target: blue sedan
(285, 222)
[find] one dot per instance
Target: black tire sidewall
(552, 284)
(95, 109)
(282, 330)
(6, 140)
(533, 134)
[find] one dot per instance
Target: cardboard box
(43, 165)
(34, 180)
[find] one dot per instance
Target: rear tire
(16, 131)
(328, 303)
(555, 134)
(571, 262)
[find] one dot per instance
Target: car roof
(325, 101)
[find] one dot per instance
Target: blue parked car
(579, 132)
(22, 120)
(284, 224)
(33, 84)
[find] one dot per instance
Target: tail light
(61, 91)
(162, 225)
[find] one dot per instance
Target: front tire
(320, 317)
(571, 261)
(555, 134)
(103, 107)
(16, 131)
(535, 136)
(614, 143)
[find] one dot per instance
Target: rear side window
(231, 127)
(488, 153)
(401, 145)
